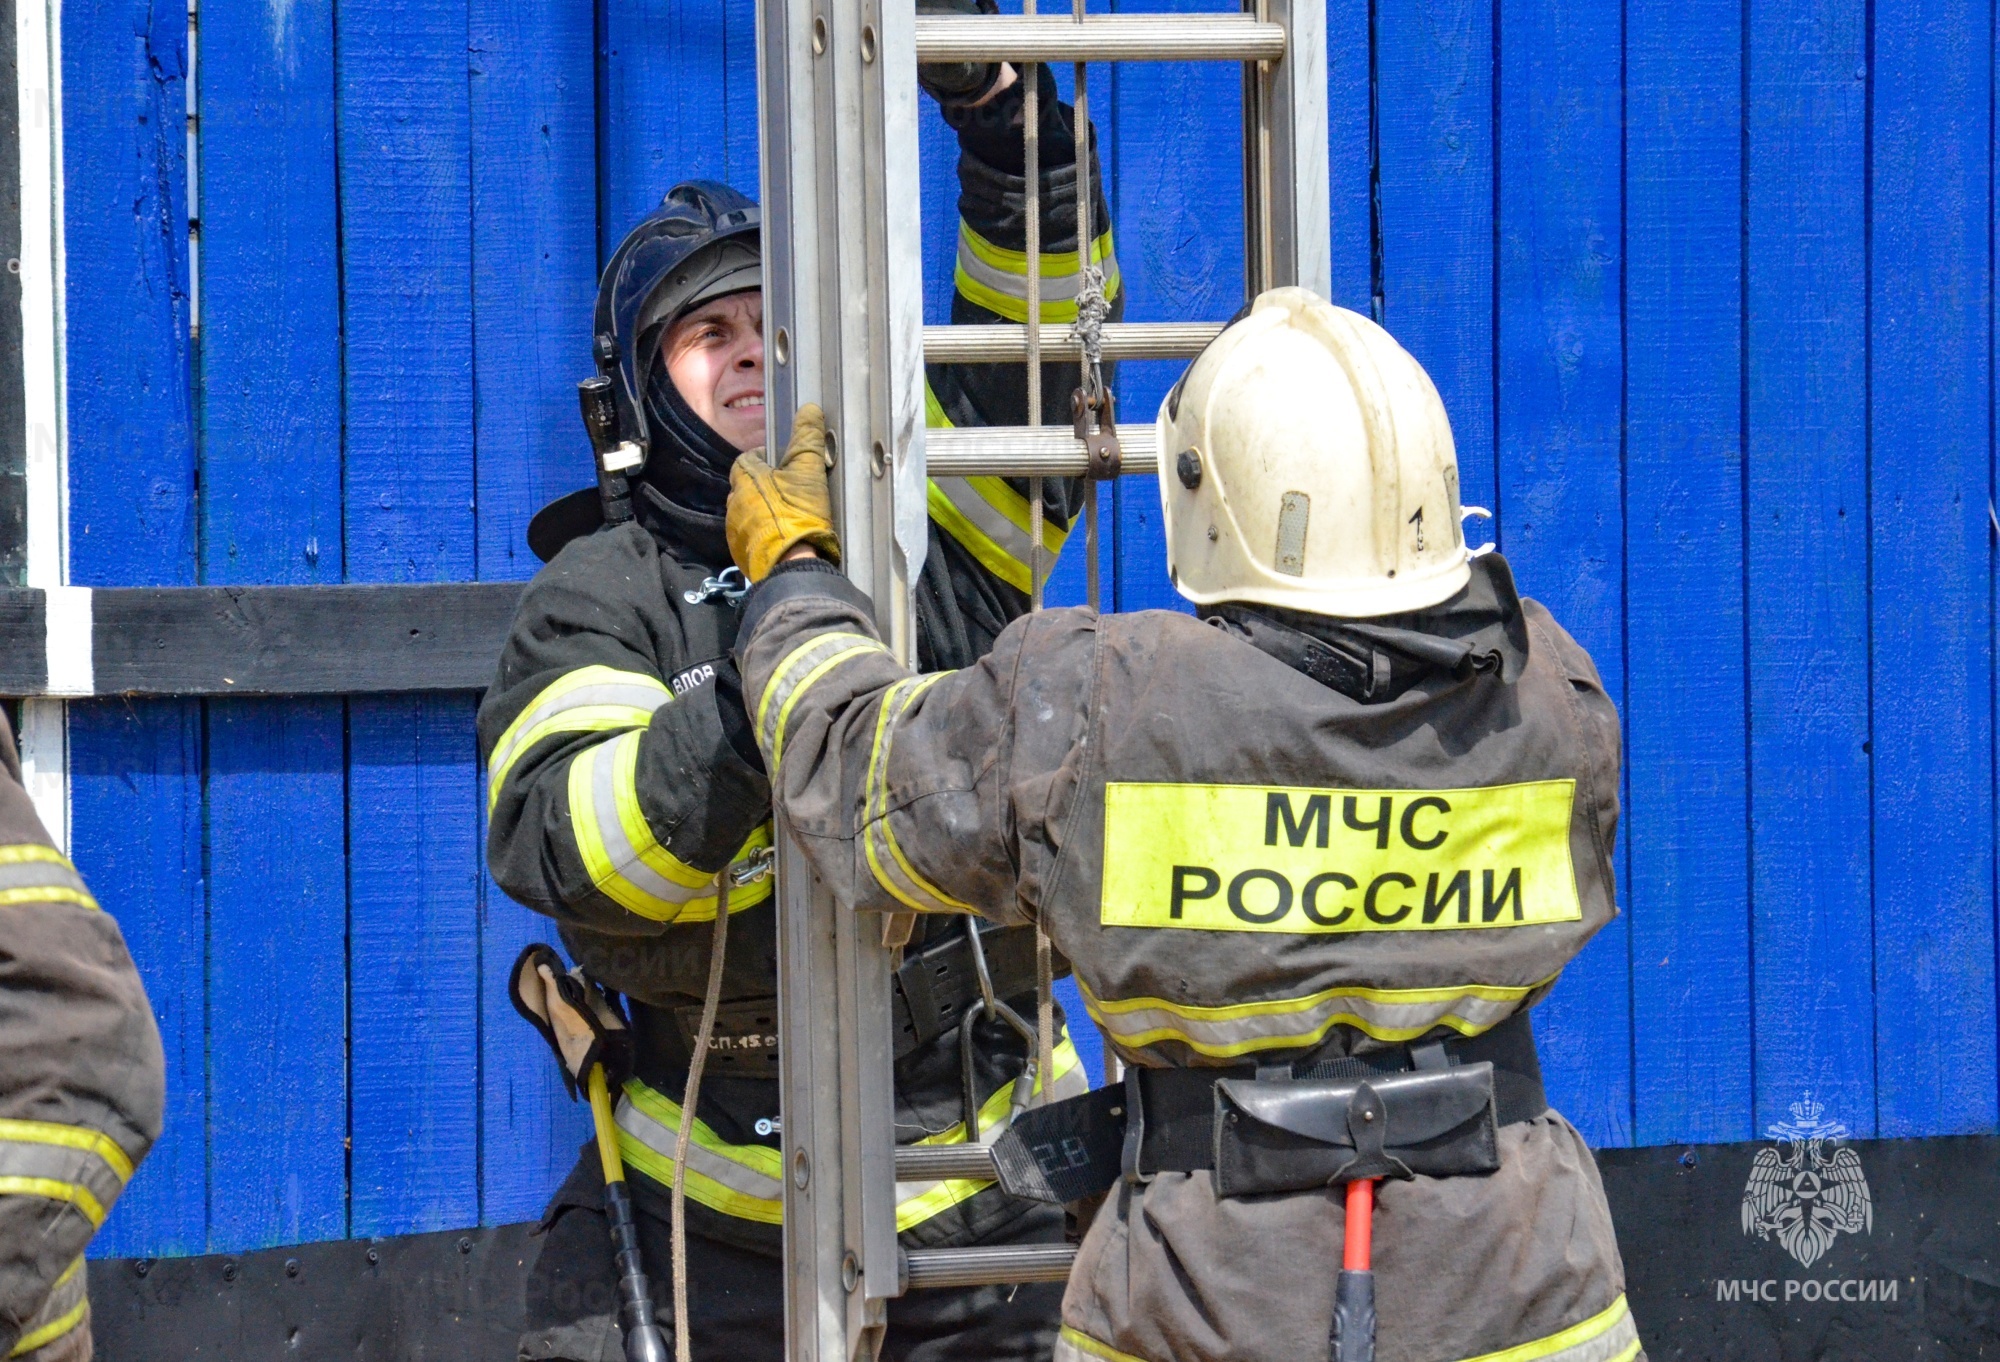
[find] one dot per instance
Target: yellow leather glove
(774, 510)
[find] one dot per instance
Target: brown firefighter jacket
(81, 1080)
(1243, 863)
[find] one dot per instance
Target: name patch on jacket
(1247, 858)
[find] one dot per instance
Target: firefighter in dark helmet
(1314, 856)
(624, 776)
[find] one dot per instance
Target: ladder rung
(1030, 451)
(936, 1162)
(1004, 344)
(987, 1266)
(1108, 37)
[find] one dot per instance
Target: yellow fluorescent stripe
(1602, 1322)
(923, 884)
(934, 417)
(594, 675)
(700, 1187)
(944, 1195)
(70, 1271)
(79, 1197)
(757, 1158)
(586, 719)
(1084, 1343)
(49, 893)
(1498, 993)
(1013, 309)
(20, 853)
(783, 669)
(70, 1137)
(996, 492)
(1016, 262)
(977, 542)
(805, 684)
(53, 1330)
(638, 832)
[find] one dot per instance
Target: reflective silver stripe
(804, 665)
(616, 699)
(1242, 1028)
(62, 1163)
(735, 1179)
(997, 278)
(974, 512)
(31, 872)
(626, 861)
(891, 868)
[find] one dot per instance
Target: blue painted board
(665, 108)
(414, 996)
(1805, 528)
(1350, 143)
(269, 398)
(1434, 101)
(534, 247)
(1177, 200)
(135, 807)
(1686, 825)
(270, 297)
(1559, 422)
(125, 239)
(277, 975)
(135, 820)
(534, 238)
(529, 1130)
(413, 849)
(1930, 433)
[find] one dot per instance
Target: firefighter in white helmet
(1314, 856)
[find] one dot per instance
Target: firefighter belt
(1431, 1109)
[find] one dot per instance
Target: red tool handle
(1360, 1225)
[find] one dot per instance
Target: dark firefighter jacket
(622, 775)
(81, 1080)
(1245, 864)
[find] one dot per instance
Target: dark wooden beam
(257, 640)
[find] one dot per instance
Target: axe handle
(1354, 1295)
(643, 1339)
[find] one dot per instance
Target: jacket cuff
(789, 581)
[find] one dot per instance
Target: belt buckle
(1135, 1131)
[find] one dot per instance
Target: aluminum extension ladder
(837, 102)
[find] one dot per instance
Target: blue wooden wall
(1707, 287)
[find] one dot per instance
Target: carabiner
(730, 584)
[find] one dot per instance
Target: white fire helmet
(1306, 462)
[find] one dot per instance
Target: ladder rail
(837, 100)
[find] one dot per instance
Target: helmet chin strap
(689, 461)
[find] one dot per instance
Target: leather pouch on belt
(1294, 1135)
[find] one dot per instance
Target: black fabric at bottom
(736, 1304)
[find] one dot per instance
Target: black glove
(578, 1019)
(955, 85)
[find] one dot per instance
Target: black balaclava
(686, 478)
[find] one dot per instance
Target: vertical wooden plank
(666, 111)
(1434, 65)
(1177, 201)
(277, 974)
(405, 154)
(135, 798)
(1559, 416)
(1806, 548)
(534, 252)
(270, 506)
(125, 239)
(135, 802)
(1351, 153)
(534, 247)
(414, 804)
(1687, 823)
(1930, 374)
